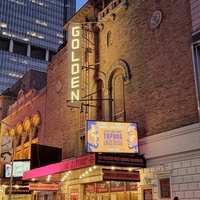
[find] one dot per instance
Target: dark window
(20, 48)
(38, 53)
(4, 44)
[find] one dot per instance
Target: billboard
(42, 155)
(112, 137)
(19, 167)
(6, 149)
(74, 49)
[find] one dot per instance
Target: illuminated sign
(112, 137)
(126, 160)
(121, 175)
(41, 187)
(74, 65)
(19, 167)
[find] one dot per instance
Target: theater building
(126, 63)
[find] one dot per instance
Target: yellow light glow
(73, 57)
(76, 31)
(75, 96)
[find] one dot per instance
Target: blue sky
(80, 3)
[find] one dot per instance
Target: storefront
(92, 177)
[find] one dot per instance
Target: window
(38, 53)
(109, 38)
(164, 184)
(4, 44)
(20, 48)
(165, 188)
(196, 53)
(118, 94)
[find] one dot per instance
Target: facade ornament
(155, 19)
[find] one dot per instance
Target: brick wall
(161, 94)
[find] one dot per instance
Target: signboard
(102, 187)
(6, 149)
(125, 160)
(43, 187)
(115, 137)
(74, 49)
(20, 190)
(19, 167)
(121, 175)
(89, 188)
(117, 186)
(131, 186)
(74, 194)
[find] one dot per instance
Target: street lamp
(12, 160)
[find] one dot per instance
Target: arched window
(118, 97)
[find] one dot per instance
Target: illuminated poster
(6, 149)
(115, 137)
(74, 194)
(74, 66)
(117, 186)
(102, 187)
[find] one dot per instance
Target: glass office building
(31, 31)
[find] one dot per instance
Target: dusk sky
(80, 3)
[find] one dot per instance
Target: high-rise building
(31, 31)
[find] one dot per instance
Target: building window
(118, 97)
(164, 184)
(109, 38)
(38, 53)
(20, 48)
(196, 53)
(4, 44)
(165, 188)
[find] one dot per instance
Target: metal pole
(12, 160)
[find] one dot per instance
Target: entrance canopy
(83, 166)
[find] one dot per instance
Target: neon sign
(74, 65)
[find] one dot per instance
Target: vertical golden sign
(74, 49)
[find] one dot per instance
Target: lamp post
(12, 160)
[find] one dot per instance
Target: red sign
(102, 187)
(89, 188)
(121, 175)
(117, 186)
(74, 194)
(130, 186)
(43, 187)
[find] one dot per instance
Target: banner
(115, 137)
(6, 149)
